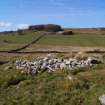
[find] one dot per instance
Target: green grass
(17, 39)
(51, 89)
(73, 40)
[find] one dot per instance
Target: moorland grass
(18, 39)
(74, 40)
(55, 88)
(71, 40)
(51, 89)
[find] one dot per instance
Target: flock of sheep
(50, 63)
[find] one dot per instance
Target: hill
(53, 28)
(87, 30)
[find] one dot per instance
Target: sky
(18, 14)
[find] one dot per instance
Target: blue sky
(68, 13)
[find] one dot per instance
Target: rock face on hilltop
(48, 28)
(52, 28)
(36, 28)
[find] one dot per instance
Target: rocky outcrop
(47, 28)
(36, 28)
(51, 64)
(52, 28)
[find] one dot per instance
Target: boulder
(102, 99)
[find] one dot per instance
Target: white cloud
(4, 24)
(22, 26)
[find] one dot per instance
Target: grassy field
(71, 40)
(51, 89)
(17, 88)
(74, 40)
(17, 39)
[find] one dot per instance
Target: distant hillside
(87, 30)
(53, 28)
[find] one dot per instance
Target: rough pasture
(72, 40)
(58, 88)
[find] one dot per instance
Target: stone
(70, 77)
(102, 99)
(96, 61)
(50, 63)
